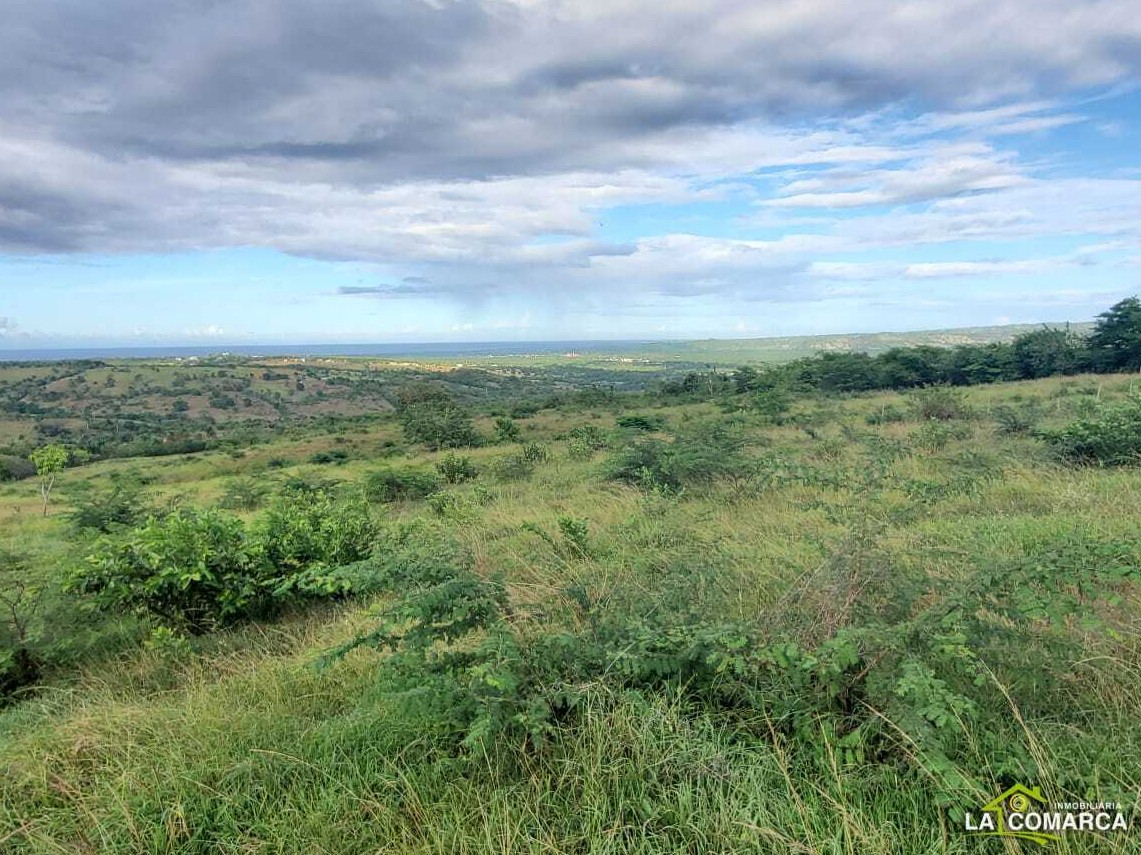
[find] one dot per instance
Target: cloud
(356, 97)
(470, 150)
(947, 269)
(944, 172)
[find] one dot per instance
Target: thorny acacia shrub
(695, 458)
(905, 669)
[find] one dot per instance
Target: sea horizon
(420, 349)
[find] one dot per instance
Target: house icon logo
(1023, 813)
(1005, 816)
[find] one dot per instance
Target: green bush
(192, 570)
(399, 485)
(771, 404)
(1110, 437)
(325, 457)
(935, 435)
(506, 430)
(243, 494)
(690, 460)
(430, 415)
(583, 441)
(535, 453)
(456, 469)
(1018, 420)
(886, 415)
(14, 468)
(20, 600)
(939, 403)
(314, 531)
(640, 421)
(513, 467)
(122, 505)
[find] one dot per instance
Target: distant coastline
(419, 349)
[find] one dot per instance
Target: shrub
(934, 436)
(243, 494)
(885, 415)
(315, 530)
(513, 467)
(325, 457)
(430, 415)
(122, 505)
(506, 430)
(14, 468)
(590, 436)
(192, 570)
(456, 469)
(939, 403)
(1111, 437)
(691, 459)
(1018, 420)
(639, 421)
(771, 404)
(20, 599)
(399, 485)
(535, 453)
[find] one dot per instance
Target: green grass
(242, 744)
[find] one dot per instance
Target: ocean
(416, 349)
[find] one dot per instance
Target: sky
(279, 171)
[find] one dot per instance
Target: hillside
(675, 627)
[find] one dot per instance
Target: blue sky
(278, 171)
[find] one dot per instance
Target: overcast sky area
(278, 171)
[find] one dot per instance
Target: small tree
(49, 460)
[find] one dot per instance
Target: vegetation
(822, 606)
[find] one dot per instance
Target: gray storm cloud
(454, 135)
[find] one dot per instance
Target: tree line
(1113, 345)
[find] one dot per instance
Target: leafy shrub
(337, 456)
(456, 470)
(691, 459)
(315, 531)
(243, 494)
(20, 599)
(399, 485)
(590, 436)
(1111, 437)
(939, 403)
(14, 468)
(513, 467)
(307, 485)
(506, 430)
(641, 421)
(1018, 420)
(430, 415)
(934, 436)
(886, 415)
(192, 570)
(122, 505)
(451, 506)
(896, 669)
(771, 404)
(535, 453)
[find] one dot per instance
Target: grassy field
(848, 521)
